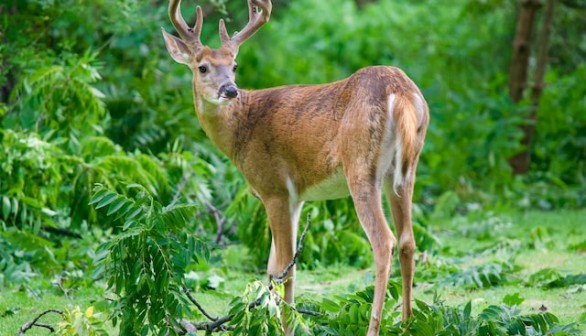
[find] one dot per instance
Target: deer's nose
(229, 90)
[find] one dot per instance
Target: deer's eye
(202, 69)
(235, 68)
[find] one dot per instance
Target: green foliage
(16, 259)
(25, 253)
(145, 263)
(258, 312)
(45, 190)
(491, 263)
(578, 247)
(450, 271)
(31, 179)
(335, 236)
(505, 320)
(486, 228)
(439, 319)
(349, 314)
(482, 276)
(60, 101)
(561, 130)
(549, 278)
(425, 238)
(513, 299)
(77, 323)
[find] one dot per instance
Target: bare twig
(45, 325)
(33, 322)
(216, 324)
(59, 283)
(220, 220)
(309, 312)
(219, 324)
(180, 187)
(187, 292)
(398, 306)
(62, 232)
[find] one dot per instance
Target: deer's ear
(177, 48)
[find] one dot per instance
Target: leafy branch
(216, 324)
(145, 263)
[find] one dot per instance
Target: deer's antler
(256, 18)
(191, 36)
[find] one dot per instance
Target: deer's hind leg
(367, 201)
(401, 210)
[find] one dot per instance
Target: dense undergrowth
(496, 269)
(87, 103)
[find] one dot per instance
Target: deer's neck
(220, 122)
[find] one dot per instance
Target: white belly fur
(333, 187)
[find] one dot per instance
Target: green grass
(21, 304)
(544, 240)
(562, 229)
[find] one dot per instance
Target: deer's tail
(409, 115)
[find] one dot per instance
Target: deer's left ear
(177, 48)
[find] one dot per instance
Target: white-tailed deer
(313, 142)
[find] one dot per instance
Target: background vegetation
(103, 163)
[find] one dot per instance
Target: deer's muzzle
(228, 91)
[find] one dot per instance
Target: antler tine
(224, 36)
(255, 20)
(190, 35)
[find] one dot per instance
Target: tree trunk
(522, 48)
(520, 162)
(9, 82)
(520, 65)
(542, 52)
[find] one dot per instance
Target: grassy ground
(544, 240)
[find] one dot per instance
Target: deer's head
(214, 70)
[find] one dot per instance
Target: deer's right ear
(177, 48)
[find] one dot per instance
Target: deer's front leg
(283, 219)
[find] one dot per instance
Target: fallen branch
(217, 324)
(34, 322)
